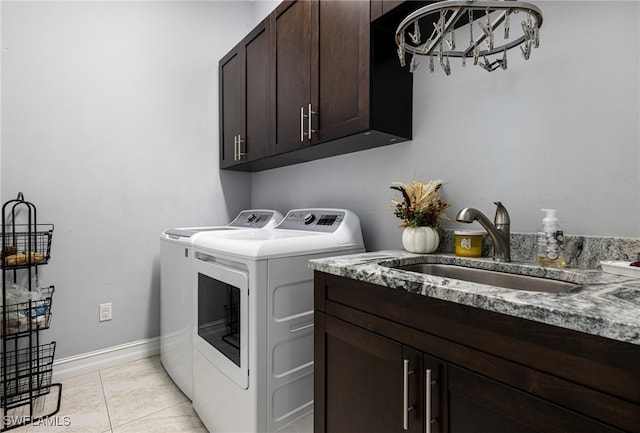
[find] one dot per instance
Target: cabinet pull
(235, 147)
(240, 152)
(405, 401)
(309, 123)
(311, 131)
(302, 134)
(427, 401)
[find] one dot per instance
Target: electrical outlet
(105, 312)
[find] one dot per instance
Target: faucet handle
(502, 216)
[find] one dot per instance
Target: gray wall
(560, 130)
(109, 123)
(110, 126)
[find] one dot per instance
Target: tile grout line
(106, 405)
(151, 414)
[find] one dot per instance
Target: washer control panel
(313, 220)
(256, 219)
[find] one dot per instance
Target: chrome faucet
(499, 231)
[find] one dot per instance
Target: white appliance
(253, 339)
(176, 291)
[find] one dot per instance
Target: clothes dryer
(253, 335)
(177, 291)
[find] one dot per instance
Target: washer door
(222, 323)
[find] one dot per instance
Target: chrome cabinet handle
(311, 112)
(240, 152)
(405, 401)
(427, 402)
(302, 133)
(309, 123)
(235, 147)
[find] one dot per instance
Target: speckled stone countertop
(602, 304)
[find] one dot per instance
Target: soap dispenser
(550, 252)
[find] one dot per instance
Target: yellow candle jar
(469, 242)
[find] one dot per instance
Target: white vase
(422, 240)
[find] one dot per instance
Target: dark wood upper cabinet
(321, 70)
(340, 93)
(291, 68)
(258, 105)
(244, 100)
(382, 7)
(230, 107)
(334, 81)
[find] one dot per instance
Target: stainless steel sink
(492, 278)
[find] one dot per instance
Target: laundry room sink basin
(492, 278)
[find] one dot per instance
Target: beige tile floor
(136, 397)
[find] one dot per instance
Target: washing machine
(253, 333)
(177, 291)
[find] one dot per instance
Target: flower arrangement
(421, 205)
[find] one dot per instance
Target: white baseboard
(72, 366)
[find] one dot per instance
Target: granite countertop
(601, 304)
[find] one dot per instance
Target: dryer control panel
(313, 220)
(255, 219)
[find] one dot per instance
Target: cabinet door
(244, 99)
(256, 100)
(231, 110)
(480, 405)
(291, 69)
(340, 69)
(365, 387)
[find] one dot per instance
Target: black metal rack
(26, 364)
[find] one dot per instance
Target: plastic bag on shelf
(23, 305)
(16, 294)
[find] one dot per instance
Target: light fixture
(477, 20)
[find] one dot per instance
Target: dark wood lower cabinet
(373, 374)
(366, 376)
(481, 405)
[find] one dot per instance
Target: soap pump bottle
(550, 251)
